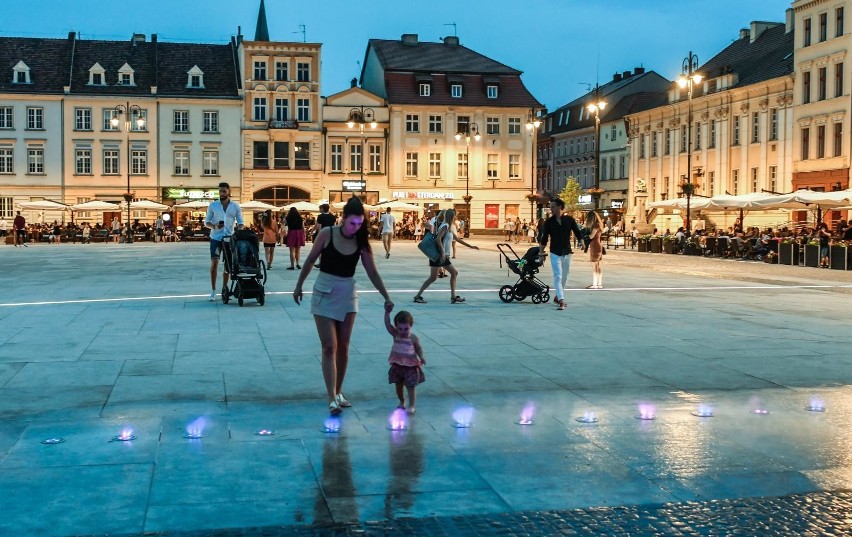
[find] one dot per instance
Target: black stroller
(526, 268)
(247, 269)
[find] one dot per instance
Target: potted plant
(838, 256)
(812, 254)
(643, 243)
(656, 245)
(771, 258)
(788, 252)
(669, 244)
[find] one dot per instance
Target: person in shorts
(223, 215)
(444, 237)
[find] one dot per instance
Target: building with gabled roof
(436, 91)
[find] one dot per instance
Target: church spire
(261, 33)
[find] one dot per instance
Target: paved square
(98, 338)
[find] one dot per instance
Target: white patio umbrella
(367, 207)
(146, 205)
(743, 201)
(255, 205)
(396, 205)
(96, 206)
(302, 207)
(191, 206)
(805, 199)
(43, 205)
(668, 204)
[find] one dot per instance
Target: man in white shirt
(159, 226)
(4, 227)
(388, 223)
(223, 215)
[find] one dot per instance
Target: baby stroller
(247, 269)
(526, 268)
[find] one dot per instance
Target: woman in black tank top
(334, 302)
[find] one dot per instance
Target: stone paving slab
(94, 340)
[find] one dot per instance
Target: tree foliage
(571, 196)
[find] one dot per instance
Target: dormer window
(425, 89)
(96, 75)
(492, 92)
(125, 76)
(456, 91)
(195, 78)
(21, 74)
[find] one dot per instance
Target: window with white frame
(411, 164)
(773, 178)
(456, 91)
(493, 166)
(181, 161)
(303, 109)
(653, 143)
(281, 155)
(35, 160)
(436, 124)
(134, 121)
(336, 163)
(755, 127)
(735, 138)
(210, 162)
(111, 161)
(711, 183)
(667, 143)
(463, 124)
(355, 157)
(7, 209)
(711, 142)
(7, 117)
(35, 118)
(259, 109)
(139, 161)
(735, 182)
(126, 76)
(434, 165)
(684, 131)
(210, 123)
(282, 109)
(492, 92)
(21, 74)
(259, 70)
(302, 155)
(773, 124)
(181, 121)
(754, 172)
(83, 161)
(281, 71)
(492, 125)
(83, 214)
(425, 89)
(107, 115)
(642, 145)
(514, 167)
(303, 71)
(195, 78)
(412, 122)
(7, 160)
(514, 126)
(463, 166)
(375, 158)
(96, 75)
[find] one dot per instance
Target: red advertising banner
(492, 216)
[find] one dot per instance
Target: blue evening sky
(561, 45)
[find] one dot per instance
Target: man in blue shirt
(222, 216)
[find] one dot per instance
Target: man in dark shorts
(223, 215)
(325, 219)
(20, 226)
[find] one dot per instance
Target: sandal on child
(342, 401)
(456, 300)
(334, 408)
(419, 300)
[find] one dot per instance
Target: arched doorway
(281, 195)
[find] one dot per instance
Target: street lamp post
(688, 78)
(597, 106)
(361, 117)
(533, 123)
(128, 110)
(472, 131)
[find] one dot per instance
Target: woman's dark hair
(403, 317)
(266, 221)
(354, 207)
(293, 213)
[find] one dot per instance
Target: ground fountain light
(398, 421)
(587, 417)
(647, 412)
(264, 432)
(527, 415)
(53, 440)
(195, 430)
(463, 417)
(126, 435)
(816, 405)
(758, 408)
(703, 411)
(331, 426)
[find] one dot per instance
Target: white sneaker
(212, 296)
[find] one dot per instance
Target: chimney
(616, 77)
(353, 83)
(744, 33)
(791, 20)
(758, 27)
(153, 38)
(626, 74)
(451, 41)
(409, 39)
(72, 36)
(638, 70)
(137, 38)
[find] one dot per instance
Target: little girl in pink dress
(406, 358)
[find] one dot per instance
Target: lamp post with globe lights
(471, 132)
(687, 80)
(362, 117)
(533, 123)
(131, 113)
(596, 107)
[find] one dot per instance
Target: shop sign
(585, 198)
(193, 194)
(424, 195)
(492, 216)
(617, 204)
(354, 185)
